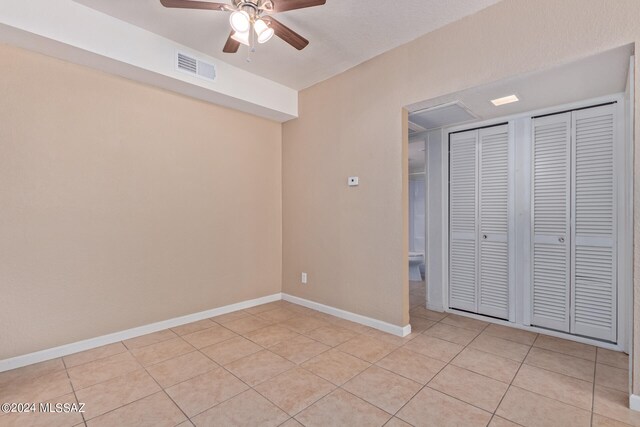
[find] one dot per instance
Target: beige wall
(122, 204)
(351, 241)
(348, 239)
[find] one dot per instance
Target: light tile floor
(282, 364)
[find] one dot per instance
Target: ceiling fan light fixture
(242, 37)
(263, 31)
(247, 25)
(240, 21)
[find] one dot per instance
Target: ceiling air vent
(442, 115)
(194, 66)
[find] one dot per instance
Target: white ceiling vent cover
(191, 65)
(442, 115)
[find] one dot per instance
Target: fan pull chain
(253, 38)
(252, 43)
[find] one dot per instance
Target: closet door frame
(522, 278)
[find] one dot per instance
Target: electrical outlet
(304, 278)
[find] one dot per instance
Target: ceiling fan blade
(231, 46)
(189, 4)
(287, 34)
(284, 5)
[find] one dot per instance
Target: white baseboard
(634, 402)
(88, 344)
(67, 349)
(401, 331)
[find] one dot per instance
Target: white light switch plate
(354, 181)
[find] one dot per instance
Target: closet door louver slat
(594, 294)
(462, 218)
(493, 198)
(550, 291)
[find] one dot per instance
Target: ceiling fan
(251, 20)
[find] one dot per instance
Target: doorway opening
(488, 199)
(417, 216)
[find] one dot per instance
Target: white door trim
(521, 321)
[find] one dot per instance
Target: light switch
(353, 181)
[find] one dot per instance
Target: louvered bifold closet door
(462, 219)
(551, 174)
(493, 198)
(594, 257)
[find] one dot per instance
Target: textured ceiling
(343, 33)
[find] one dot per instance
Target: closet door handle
(484, 236)
(561, 239)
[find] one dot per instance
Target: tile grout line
(531, 347)
(142, 367)
(511, 383)
(372, 404)
(564, 353)
(593, 392)
(523, 363)
(147, 345)
(336, 387)
(548, 397)
(359, 333)
(97, 359)
(73, 389)
(559, 373)
(447, 364)
(165, 391)
(248, 385)
(126, 404)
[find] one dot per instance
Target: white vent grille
(186, 63)
(194, 66)
(442, 115)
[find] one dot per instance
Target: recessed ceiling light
(504, 100)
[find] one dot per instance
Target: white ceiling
(342, 33)
(592, 77)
